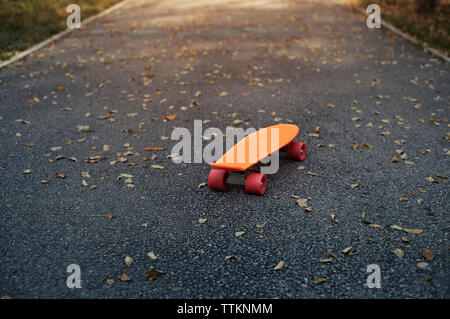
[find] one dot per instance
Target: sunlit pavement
(78, 115)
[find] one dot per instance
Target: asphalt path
(87, 107)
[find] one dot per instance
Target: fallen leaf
(171, 117)
(413, 231)
(239, 233)
(93, 159)
(109, 281)
(152, 255)
(153, 274)
(431, 179)
(398, 252)
(279, 265)
(319, 281)
(27, 171)
(327, 260)
(128, 260)
(422, 265)
(428, 254)
(302, 202)
(348, 250)
(230, 257)
(125, 277)
(334, 218)
(154, 148)
(202, 220)
(83, 128)
(60, 175)
(23, 121)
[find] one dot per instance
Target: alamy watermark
(74, 279)
(374, 279)
(73, 20)
(374, 18)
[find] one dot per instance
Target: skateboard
(232, 166)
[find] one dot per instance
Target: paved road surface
(313, 64)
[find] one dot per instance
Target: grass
(431, 27)
(27, 22)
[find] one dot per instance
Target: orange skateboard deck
(251, 150)
(239, 157)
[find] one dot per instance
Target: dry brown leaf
(152, 255)
(422, 265)
(348, 250)
(302, 202)
(279, 265)
(398, 252)
(93, 159)
(128, 260)
(413, 231)
(154, 148)
(334, 218)
(327, 260)
(109, 282)
(319, 281)
(125, 277)
(431, 179)
(171, 117)
(153, 274)
(428, 254)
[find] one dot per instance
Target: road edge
(59, 35)
(402, 34)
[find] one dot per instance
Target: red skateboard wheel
(255, 183)
(217, 179)
(296, 151)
